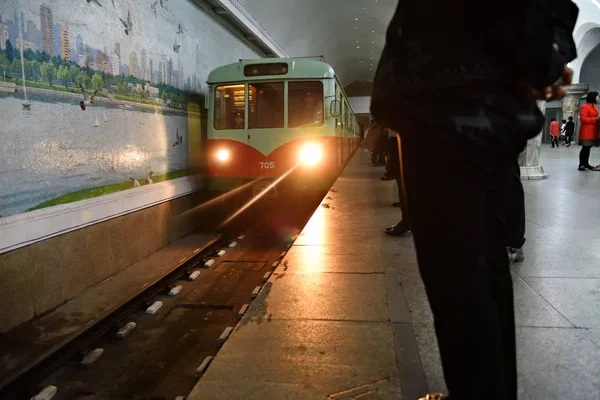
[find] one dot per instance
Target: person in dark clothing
(391, 156)
(479, 67)
(403, 226)
(380, 150)
(515, 220)
(569, 131)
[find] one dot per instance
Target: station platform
(345, 316)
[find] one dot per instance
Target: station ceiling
(350, 34)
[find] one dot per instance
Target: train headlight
(223, 155)
(311, 154)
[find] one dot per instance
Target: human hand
(554, 92)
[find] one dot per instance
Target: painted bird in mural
(86, 101)
(178, 139)
(95, 2)
(153, 7)
(149, 178)
(179, 29)
(176, 47)
(162, 3)
(136, 183)
(127, 24)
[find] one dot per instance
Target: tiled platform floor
(345, 315)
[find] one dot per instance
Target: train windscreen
(305, 104)
(265, 105)
(229, 107)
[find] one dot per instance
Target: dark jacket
(570, 128)
(459, 56)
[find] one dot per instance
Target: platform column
(529, 159)
(570, 104)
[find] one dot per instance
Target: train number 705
(267, 165)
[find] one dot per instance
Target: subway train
(270, 119)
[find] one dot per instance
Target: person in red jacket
(554, 131)
(588, 133)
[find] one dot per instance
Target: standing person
(458, 152)
(569, 131)
(588, 132)
(373, 142)
(390, 164)
(403, 226)
(562, 132)
(515, 220)
(554, 131)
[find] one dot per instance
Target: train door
(227, 145)
(265, 127)
(347, 132)
(339, 130)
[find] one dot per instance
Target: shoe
(582, 168)
(515, 255)
(435, 396)
(519, 255)
(397, 230)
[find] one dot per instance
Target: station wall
(140, 70)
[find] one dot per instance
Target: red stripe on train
(246, 161)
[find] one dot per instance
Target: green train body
(273, 117)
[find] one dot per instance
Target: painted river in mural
(56, 148)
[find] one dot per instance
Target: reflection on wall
(105, 103)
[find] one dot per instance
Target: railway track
(159, 359)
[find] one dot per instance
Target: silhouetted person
(460, 85)
(515, 216)
(239, 121)
(569, 131)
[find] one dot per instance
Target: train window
(265, 105)
(305, 104)
(229, 107)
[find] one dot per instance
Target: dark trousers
(584, 156)
(554, 140)
(568, 139)
(458, 206)
(515, 221)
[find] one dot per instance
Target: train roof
(298, 68)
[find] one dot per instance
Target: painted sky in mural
(150, 40)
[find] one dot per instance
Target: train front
(271, 133)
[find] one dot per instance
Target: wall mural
(96, 95)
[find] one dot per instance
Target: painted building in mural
(110, 88)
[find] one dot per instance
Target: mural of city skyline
(43, 29)
(105, 97)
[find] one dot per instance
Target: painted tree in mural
(83, 79)
(97, 82)
(63, 75)
(73, 72)
(32, 68)
(10, 54)
(48, 71)
(15, 66)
